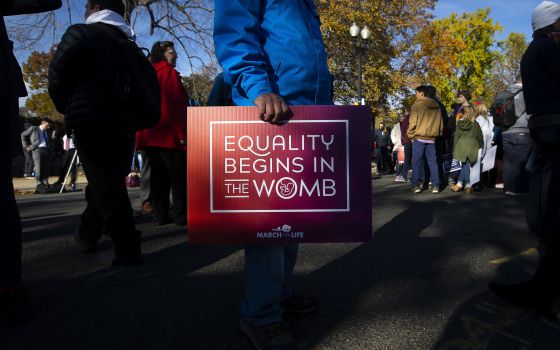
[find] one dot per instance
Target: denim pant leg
(432, 163)
(465, 174)
(268, 272)
(417, 162)
(407, 160)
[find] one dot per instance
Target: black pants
(168, 172)
(382, 159)
(10, 234)
(68, 160)
(544, 202)
(517, 148)
(105, 153)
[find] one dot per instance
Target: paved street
(419, 284)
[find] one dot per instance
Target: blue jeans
(465, 174)
(407, 160)
(268, 272)
(418, 151)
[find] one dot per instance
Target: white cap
(545, 14)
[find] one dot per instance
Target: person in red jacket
(165, 144)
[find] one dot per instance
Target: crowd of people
(436, 146)
(463, 149)
(40, 146)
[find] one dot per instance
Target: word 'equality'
(262, 146)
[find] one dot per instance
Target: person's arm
(395, 135)
(457, 136)
(21, 7)
(552, 59)
(412, 122)
(175, 97)
(68, 58)
(440, 118)
(25, 138)
(238, 40)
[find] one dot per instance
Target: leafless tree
(186, 22)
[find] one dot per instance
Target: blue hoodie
(273, 46)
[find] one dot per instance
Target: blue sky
(513, 15)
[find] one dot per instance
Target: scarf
(114, 19)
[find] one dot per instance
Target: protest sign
(489, 160)
(475, 169)
(306, 180)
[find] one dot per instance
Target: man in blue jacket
(273, 56)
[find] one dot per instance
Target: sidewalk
(27, 186)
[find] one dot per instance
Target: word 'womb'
(254, 155)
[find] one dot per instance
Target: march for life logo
(302, 166)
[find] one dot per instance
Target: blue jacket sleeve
(238, 41)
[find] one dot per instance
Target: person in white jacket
(396, 139)
(486, 125)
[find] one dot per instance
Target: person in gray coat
(14, 301)
(517, 146)
(38, 140)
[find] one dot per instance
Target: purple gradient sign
(307, 180)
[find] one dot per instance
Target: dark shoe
(127, 247)
(86, 246)
(521, 294)
(275, 336)
(300, 304)
(528, 295)
(132, 260)
(163, 221)
(147, 208)
(15, 306)
(181, 221)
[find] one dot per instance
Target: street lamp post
(360, 48)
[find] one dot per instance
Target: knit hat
(545, 14)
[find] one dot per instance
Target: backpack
(137, 89)
(503, 109)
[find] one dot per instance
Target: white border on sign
(347, 209)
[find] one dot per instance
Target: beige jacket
(425, 120)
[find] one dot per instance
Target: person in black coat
(14, 302)
(82, 84)
(540, 70)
